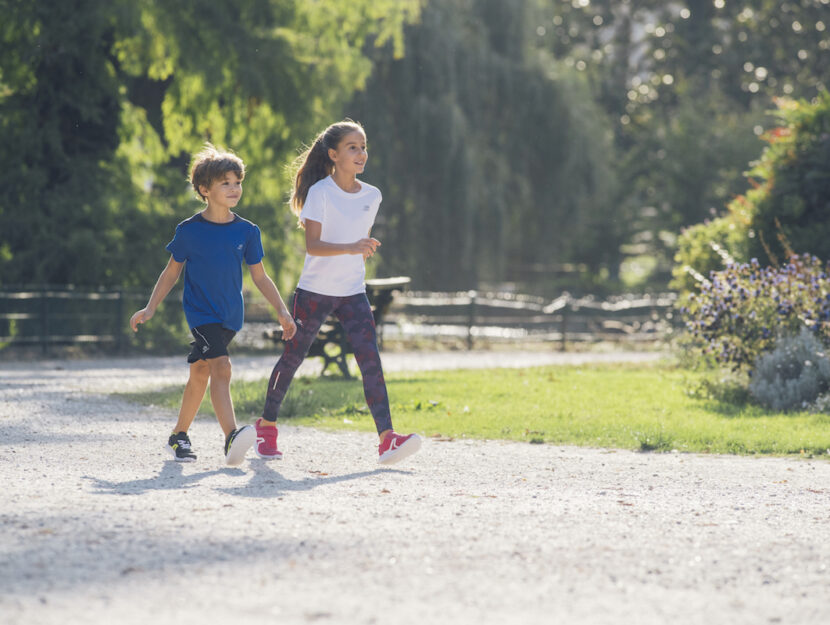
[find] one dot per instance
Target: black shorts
(212, 341)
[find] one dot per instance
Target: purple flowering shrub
(742, 310)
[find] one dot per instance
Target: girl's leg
(355, 315)
(310, 311)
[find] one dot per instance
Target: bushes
(786, 204)
(742, 310)
(792, 375)
(768, 321)
(702, 248)
(794, 175)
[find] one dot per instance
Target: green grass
(644, 407)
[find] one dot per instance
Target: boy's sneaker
(395, 447)
(237, 445)
(179, 447)
(266, 441)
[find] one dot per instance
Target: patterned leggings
(355, 315)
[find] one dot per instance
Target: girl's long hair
(314, 163)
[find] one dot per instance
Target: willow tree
(493, 167)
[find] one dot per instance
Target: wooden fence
(59, 316)
(497, 316)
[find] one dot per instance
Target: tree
(683, 84)
(490, 166)
(104, 102)
(60, 112)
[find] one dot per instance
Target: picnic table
(331, 343)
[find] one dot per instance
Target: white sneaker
(237, 445)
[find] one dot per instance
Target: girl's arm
(314, 246)
(267, 287)
(165, 282)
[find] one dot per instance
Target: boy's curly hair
(212, 164)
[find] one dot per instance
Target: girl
(337, 212)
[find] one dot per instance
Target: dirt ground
(100, 526)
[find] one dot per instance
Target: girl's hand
(142, 316)
(289, 328)
(366, 247)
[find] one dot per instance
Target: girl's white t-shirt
(346, 218)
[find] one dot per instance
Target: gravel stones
(99, 526)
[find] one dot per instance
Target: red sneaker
(266, 441)
(395, 447)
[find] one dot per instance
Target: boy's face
(223, 192)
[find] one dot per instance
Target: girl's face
(350, 156)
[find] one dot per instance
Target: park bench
(331, 343)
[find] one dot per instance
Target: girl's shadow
(268, 483)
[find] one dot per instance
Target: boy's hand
(142, 316)
(289, 328)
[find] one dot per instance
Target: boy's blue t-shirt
(213, 254)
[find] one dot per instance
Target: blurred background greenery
(533, 145)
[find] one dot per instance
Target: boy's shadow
(170, 477)
(268, 483)
(265, 483)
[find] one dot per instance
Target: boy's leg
(220, 392)
(237, 440)
(194, 392)
(355, 315)
(309, 311)
(210, 352)
(211, 347)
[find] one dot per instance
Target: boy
(211, 246)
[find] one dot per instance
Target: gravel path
(99, 527)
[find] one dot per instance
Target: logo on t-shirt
(366, 208)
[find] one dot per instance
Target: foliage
(491, 164)
(793, 374)
(742, 310)
(685, 86)
(59, 120)
(532, 137)
(785, 207)
(686, 164)
(745, 50)
(792, 200)
(708, 246)
(625, 406)
(105, 101)
(822, 404)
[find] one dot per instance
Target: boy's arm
(267, 287)
(165, 282)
